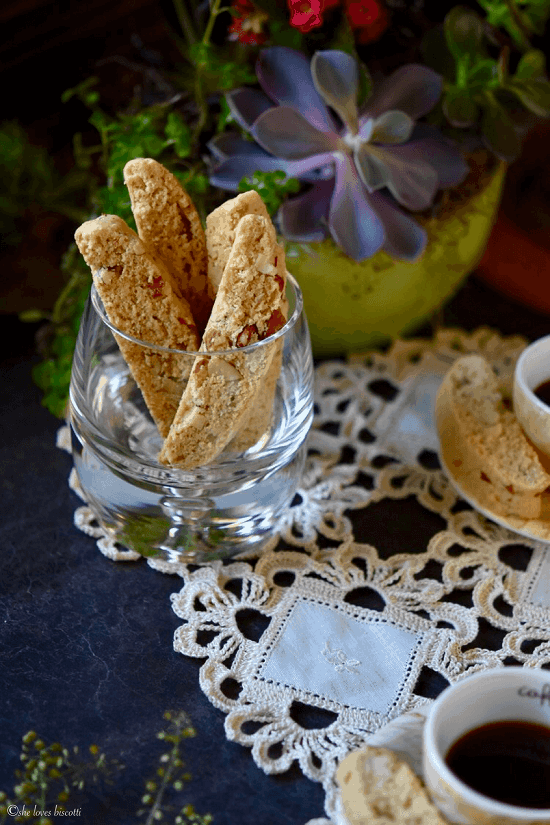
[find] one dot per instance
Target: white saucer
(538, 529)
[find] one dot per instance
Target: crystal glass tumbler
(228, 506)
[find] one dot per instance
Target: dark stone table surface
(86, 643)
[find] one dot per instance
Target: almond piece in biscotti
(140, 299)
(248, 308)
(169, 224)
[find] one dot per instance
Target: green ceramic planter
(353, 306)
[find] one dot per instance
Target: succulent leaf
(336, 78)
(247, 105)
(531, 64)
(304, 218)
(346, 166)
(413, 89)
(499, 132)
(459, 108)
(392, 127)
(284, 74)
(371, 168)
(353, 223)
(410, 178)
(534, 94)
(230, 143)
(464, 32)
(444, 157)
(404, 238)
(283, 131)
(228, 174)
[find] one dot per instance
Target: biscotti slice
(170, 226)
(221, 388)
(378, 788)
(258, 419)
(221, 225)
(484, 444)
(140, 300)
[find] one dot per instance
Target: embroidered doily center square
(356, 660)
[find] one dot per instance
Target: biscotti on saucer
(484, 445)
(378, 788)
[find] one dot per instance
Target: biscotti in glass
(233, 504)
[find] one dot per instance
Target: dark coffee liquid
(507, 761)
(543, 392)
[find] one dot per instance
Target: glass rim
(290, 324)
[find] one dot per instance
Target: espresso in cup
(486, 754)
(531, 393)
(508, 761)
(542, 391)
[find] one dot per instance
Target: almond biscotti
(377, 787)
(221, 225)
(141, 300)
(483, 443)
(248, 308)
(170, 226)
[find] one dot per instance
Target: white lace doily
(325, 639)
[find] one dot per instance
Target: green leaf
(101, 122)
(85, 92)
(179, 134)
(225, 116)
(32, 316)
(483, 72)
(281, 34)
(499, 132)
(459, 108)
(114, 200)
(464, 32)
(273, 187)
(534, 94)
(531, 65)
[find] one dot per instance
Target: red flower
(305, 14)
(248, 22)
(368, 18)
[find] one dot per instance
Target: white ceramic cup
(510, 693)
(532, 369)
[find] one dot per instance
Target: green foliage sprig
(521, 19)
(48, 777)
(51, 774)
(273, 187)
(30, 180)
(171, 775)
(481, 90)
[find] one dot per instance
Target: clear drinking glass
(228, 506)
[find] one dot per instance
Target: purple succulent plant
(360, 163)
